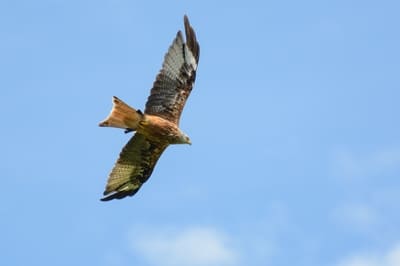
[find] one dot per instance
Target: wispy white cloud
(196, 246)
(357, 216)
(390, 257)
(353, 165)
(370, 190)
(253, 241)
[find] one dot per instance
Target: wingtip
(108, 196)
(118, 194)
(191, 38)
(186, 22)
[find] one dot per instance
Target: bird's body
(158, 126)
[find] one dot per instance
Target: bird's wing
(133, 167)
(174, 82)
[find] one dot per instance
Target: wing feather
(175, 80)
(133, 167)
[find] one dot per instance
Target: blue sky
(294, 123)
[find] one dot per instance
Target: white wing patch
(176, 57)
(189, 58)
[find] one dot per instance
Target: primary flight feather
(158, 126)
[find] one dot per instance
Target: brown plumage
(158, 126)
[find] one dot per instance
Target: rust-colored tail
(122, 116)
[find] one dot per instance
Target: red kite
(158, 126)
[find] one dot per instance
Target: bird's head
(184, 139)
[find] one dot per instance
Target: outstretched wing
(174, 82)
(133, 167)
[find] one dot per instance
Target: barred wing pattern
(133, 167)
(175, 81)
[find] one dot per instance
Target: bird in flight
(158, 126)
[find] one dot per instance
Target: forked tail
(122, 116)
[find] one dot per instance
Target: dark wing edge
(191, 39)
(133, 167)
(175, 80)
